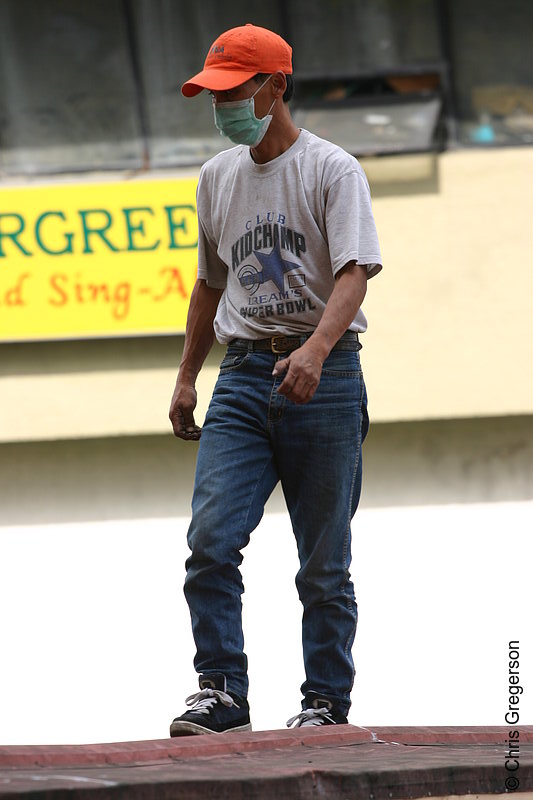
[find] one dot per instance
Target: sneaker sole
(192, 729)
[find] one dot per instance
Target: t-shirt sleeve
(350, 225)
(211, 268)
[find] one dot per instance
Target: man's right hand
(199, 338)
(181, 412)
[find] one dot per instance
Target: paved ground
(344, 762)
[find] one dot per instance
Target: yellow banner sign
(106, 259)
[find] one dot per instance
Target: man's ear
(279, 83)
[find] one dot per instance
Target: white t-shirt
(274, 235)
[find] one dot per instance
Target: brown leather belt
(285, 344)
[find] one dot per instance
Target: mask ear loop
(271, 107)
(258, 90)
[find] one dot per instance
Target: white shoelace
(202, 702)
(310, 716)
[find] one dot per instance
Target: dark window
(94, 84)
(358, 37)
(490, 49)
(67, 96)
(369, 75)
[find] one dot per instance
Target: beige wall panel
(95, 388)
(450, 315)
(75, 405)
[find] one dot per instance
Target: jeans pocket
(232, 361)
(342, 363)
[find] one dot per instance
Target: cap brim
(216, 80)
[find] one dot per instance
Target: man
(286, 244)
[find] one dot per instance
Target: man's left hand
(303, 368)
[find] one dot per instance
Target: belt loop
(251, 346)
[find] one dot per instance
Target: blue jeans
(252, 438)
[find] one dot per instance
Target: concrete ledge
(335, 762)
(122, 753)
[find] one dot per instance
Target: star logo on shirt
(274, 268)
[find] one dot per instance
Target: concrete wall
(434, 462)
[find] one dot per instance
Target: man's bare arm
(199, 337)
(303, 366)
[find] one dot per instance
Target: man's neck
(278, 139)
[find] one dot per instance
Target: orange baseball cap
(237, 55)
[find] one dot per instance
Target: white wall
(96, 643)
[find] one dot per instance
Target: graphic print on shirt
(274, 284)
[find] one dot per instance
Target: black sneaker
(213, 710)
(320, 711)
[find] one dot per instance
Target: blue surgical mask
(238, 122)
